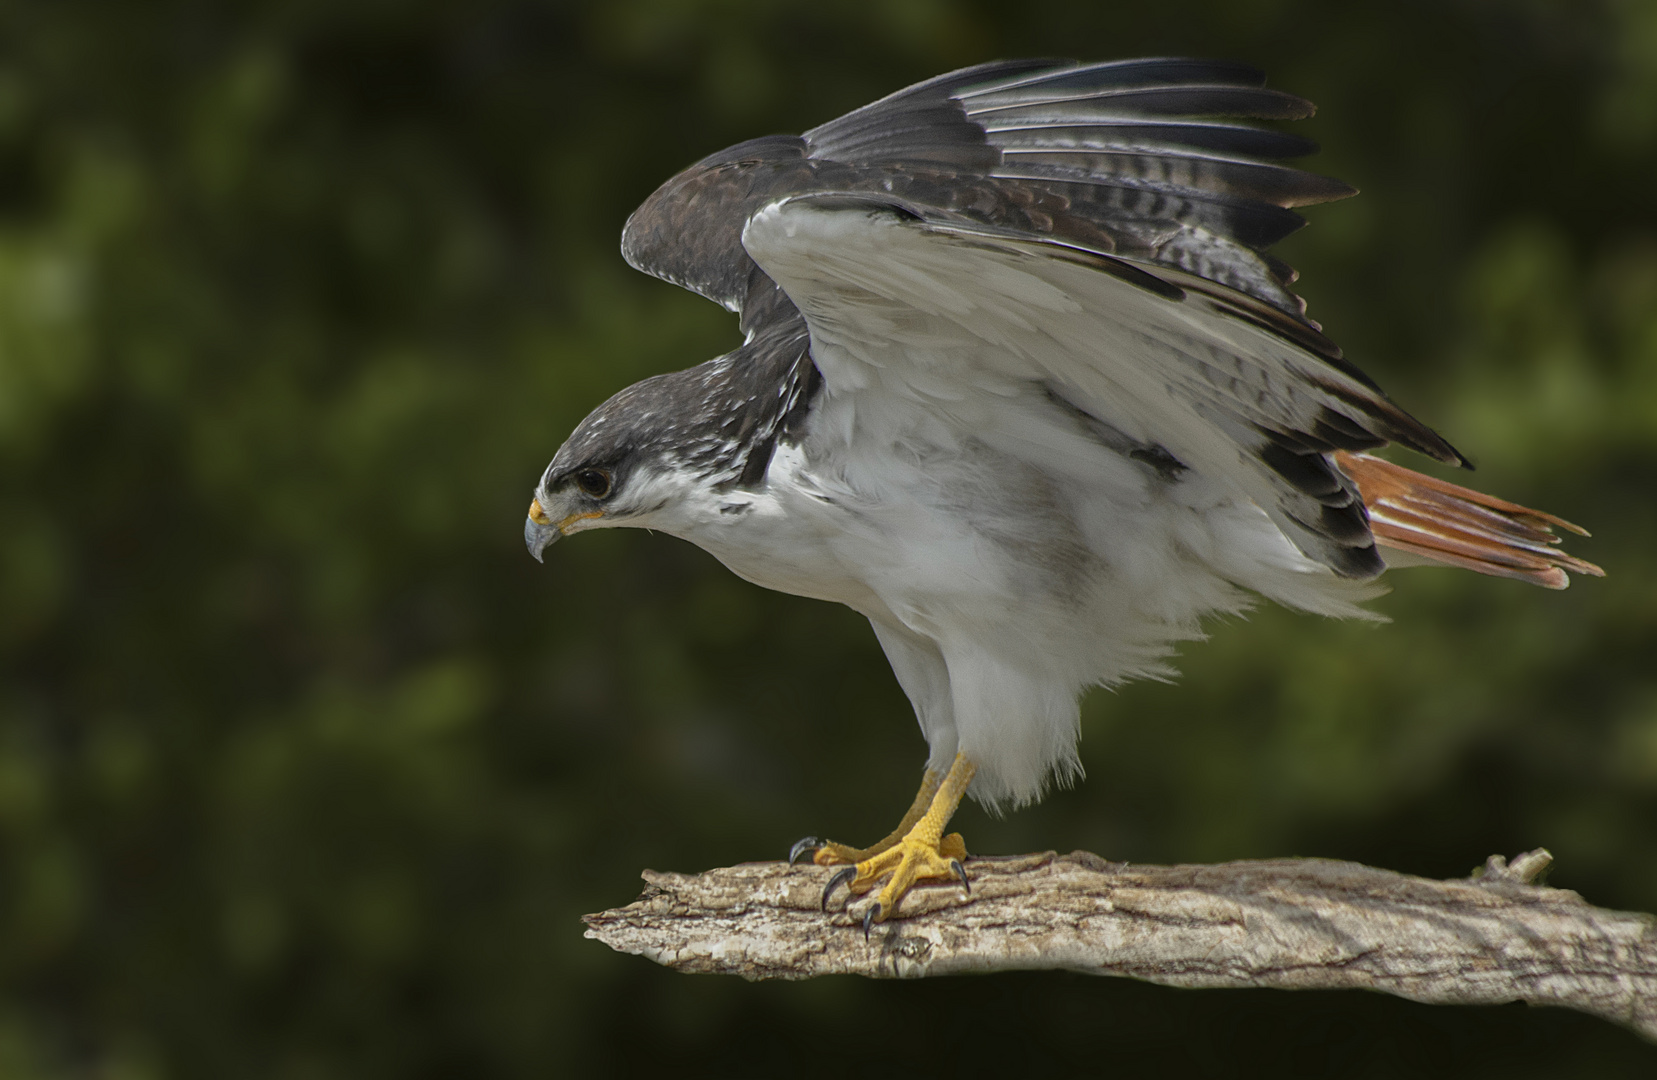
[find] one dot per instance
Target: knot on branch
(1528, 869)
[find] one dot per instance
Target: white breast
(994, 534)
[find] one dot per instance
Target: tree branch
(1287, 923)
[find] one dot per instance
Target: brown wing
(1457, 526)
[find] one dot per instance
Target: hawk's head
(668, 452)
(671, 451)
(617, 467)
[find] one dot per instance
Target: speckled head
(711, 426)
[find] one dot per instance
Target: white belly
(1023, 573)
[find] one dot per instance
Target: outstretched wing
(1138, 158)
(1101, 228)
(929, 309)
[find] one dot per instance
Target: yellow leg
(923, 853)
(831, 853)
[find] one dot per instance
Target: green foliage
(306, 770)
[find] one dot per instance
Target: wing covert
(1162, 356)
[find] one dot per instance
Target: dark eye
(595, 482)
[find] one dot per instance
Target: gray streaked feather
(1255, 103)
(1061, 76)
(1151, 135)
(1188, 173)
(720, 420)
(963, 142)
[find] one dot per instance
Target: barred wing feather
(1165, 358)
(1141, 158)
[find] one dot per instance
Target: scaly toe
(911, 862)
(830, 853)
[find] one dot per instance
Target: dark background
(307, 770)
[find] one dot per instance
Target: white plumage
(1020, 385)
(1006, 558)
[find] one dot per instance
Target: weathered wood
(1286, 923)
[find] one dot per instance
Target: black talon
(869, 917)
(961, 872)
(839, 879)
(801, 846)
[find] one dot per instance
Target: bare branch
(1286, 923)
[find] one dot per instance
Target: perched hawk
(1020, 384)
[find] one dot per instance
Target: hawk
(1021, 384)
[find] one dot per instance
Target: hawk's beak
(539, 531)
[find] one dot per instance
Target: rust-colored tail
(1458, 526)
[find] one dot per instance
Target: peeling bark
(1294, 924)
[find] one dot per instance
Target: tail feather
(1456, 526)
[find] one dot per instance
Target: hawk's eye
(595, 482)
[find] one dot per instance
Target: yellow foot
(909, 862)
(828, 853)
(922, 853)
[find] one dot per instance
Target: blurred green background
(307, 770)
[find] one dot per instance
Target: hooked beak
(539, 531)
